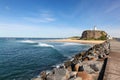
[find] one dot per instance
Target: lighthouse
(95, 28)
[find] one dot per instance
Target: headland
(100, 62)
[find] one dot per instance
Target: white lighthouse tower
(95, 28)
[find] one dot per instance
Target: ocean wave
(68, 44)
(57, 65)
(38, 43)
(28, 41)
(45, 45)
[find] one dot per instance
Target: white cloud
(26, 30)
(112, 8)
(42, 17)
(50, 19)
(19, 30)
(39, 20)
(115, 5)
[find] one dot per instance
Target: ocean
(25, 58)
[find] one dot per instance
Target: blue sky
(58, 18)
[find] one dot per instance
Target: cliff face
(94, 34)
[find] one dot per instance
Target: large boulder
(58, 74)
(84, 75)
(92, 66)
(43, 75)
(78, 78)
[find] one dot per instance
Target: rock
(83, 53)
(75, 61)
(67, 64)
(81, 68)
(100, 56)
(59, 74)
(97, 66)
(88, 69)
(94, 58)
(94, 34)
(94, 67)
(78, 78)
(69, 69)
(36, 78)
(43, 75)
(74, 70)
(90, 57)
(50, 77)
(59, 71)
(84, 75)
(67, 76)
(86, 59)
(78, 56)
(73, 67)
(77, 67)
(73, 74)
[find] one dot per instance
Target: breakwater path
(112, 71)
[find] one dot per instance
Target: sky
(58, 18)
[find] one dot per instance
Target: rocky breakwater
(83, 66)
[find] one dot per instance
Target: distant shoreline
(79, 41)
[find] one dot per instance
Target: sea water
(24, 58)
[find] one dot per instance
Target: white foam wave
(28, 41)
(58, 65)
(68, 44)
(44, 45)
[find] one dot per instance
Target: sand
(79, 41)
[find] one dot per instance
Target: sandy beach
(79, 41)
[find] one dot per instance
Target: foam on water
(67, 44)
(28, 57)
(45, 45)
(40, 44)
(58, 65)
(28, 41)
